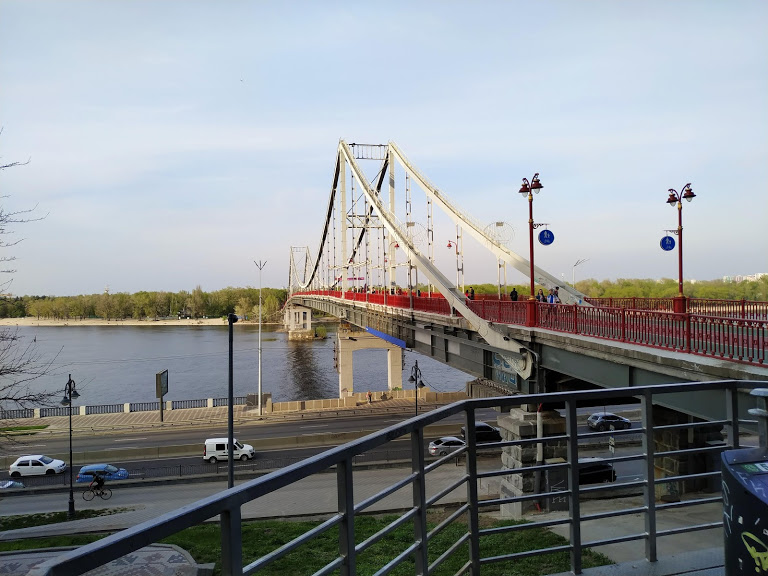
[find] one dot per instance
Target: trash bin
(745, 511)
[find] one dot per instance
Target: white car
(36, 465)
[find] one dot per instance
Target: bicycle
(104, 493)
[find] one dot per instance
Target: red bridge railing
(735, 330)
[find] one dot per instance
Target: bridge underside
(562, 362)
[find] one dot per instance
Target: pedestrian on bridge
(513, 295)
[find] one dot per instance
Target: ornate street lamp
(69, 394)
(527, 189)
(415, 378)
(674, 198)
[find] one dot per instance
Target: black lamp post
(231, 318)
(527, 189)
(417, 382)
(69, 394)
(676, 199)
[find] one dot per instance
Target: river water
(116, 364)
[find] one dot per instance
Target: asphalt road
(249, 433)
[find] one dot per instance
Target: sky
(173, 143)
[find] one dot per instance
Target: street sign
(546, 237)
(667, 243)
(611, 444)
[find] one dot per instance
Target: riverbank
(32, 321)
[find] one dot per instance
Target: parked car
(595, 471)
(107, 471)
(483, 433)
(602, 421)
(9, 484)
(445, 445)
(36, 465)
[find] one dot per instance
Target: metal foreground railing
(427, 489)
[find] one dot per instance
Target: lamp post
(573, 270)
(527, 189)
(231, 319)
(674, 198)
(415, 378)
(69, 393)
(260, 265)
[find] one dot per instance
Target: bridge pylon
(348, 341)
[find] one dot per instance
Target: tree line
(149, 305)
(245, 301)
(756, 290)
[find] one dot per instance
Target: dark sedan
(602, 421)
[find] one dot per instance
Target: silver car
(445, 445)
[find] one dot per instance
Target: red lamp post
(676, 198)
(527, 189)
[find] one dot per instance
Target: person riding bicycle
(97, 483)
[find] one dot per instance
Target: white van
(216, 448)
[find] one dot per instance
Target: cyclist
(97, 483)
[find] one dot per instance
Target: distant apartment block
(743, 278)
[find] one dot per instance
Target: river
(116, 364)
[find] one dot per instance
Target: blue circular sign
(667, 243)
(546, 237)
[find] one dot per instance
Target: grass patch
(30, 520)
(263, 537)
(259, 538)
(22, 429)
(49, 542)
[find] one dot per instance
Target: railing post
(649, 491)
(762, 415)
(419, 501)
(732, 414)
(574, 506)
(231, 542)
(575, 318)
(346, 504)
(530, 313)
(623, 325)
(687, 332)
(474, 522)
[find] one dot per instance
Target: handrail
(742, 340)
(228, 503)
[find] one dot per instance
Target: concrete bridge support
(348, 342)
(298, 322)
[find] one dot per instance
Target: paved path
(191, 417)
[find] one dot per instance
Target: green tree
(196, 302)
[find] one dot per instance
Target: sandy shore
(32, 321)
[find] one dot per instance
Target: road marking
(32, 445)
(129, 439)
(316, 426)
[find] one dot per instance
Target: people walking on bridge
(540, 297)
(370, 397)
(471, 293)
(551, 298)
(513, 295)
